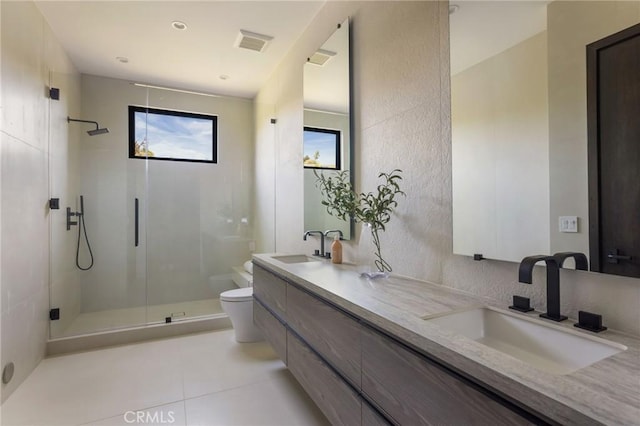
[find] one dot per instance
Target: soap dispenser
(336, 250)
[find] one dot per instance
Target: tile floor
(92, 322)
(201, 379)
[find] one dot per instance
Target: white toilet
(238, 304)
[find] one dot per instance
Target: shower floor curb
(125, 336)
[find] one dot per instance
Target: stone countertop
(606, 392)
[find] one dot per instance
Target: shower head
(97, 131)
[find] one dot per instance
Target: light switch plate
(568, 223)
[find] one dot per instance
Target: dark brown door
(613, 99)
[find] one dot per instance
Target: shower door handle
(136, 219)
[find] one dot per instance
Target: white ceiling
(94, 33)
(481, 29)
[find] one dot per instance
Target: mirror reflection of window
(321, 148)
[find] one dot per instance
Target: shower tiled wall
(31, 60)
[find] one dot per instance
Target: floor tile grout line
(244, 385)
(186, 415)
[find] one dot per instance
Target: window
(159, 134)
(321, 148)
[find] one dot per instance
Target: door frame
(593, 138)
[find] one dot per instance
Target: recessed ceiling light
(224, 77)
(179, 25)
(122, 59)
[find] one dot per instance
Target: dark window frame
(132, 132)
(338, 135)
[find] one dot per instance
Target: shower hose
(86, 237)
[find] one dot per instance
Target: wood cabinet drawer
(271, 291)
(273, 330)
(414, 390)
(337, 400)
(371, 417)
(331, 333)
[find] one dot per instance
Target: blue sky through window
(175, 137)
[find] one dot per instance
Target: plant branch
(374, 209)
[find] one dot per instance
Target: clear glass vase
(370, 264)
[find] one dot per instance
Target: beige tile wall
(31, 61)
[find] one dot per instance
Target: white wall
(191, 217)
(402, 107)
(31, 61)
(500, 150)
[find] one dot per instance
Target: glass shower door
(197, 212)
(98, 275)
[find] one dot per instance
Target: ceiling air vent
(321, 57)
(252, 41)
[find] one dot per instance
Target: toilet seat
(244, 294)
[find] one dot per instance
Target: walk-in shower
(161, 235)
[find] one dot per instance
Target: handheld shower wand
(82, 226)
(97, 131)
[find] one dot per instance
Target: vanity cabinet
(273, 330)
(348, 368)
(331, 333)
(371, 417)
(339, 402)
(271, 291)
(413, 389)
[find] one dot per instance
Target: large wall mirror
(519, 123)
(327, 126)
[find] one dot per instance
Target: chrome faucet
(319, 233)
(525, 275)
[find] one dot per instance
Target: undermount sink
(295, 258)
(547, 347)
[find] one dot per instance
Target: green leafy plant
(374, 209)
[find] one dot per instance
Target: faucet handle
(521, 304)
(589, 321)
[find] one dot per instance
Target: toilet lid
(237, 295)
